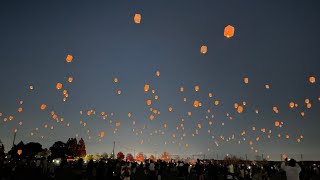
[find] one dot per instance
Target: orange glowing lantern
(196, 88)
(149, 102)
(59, 86)
(137, 18)
(246, 80)
(240, 109)
(284, 156)
(277, 123)
(158, 73)
(70, 79)
(19, 152)
(146, 87)
(43, 106)
(69, 58)
(312, 79)
(291, 104)
(228, 31)
(203, 49)
(196, 103)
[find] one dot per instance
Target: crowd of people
(152, 170)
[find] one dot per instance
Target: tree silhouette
(59, 149)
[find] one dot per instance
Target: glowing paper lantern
(137, 18)
(69, 58)
(119, 92)
(115, 80)
(291, 104)
(309, 105)
(203, 49)
(101, 134)
(148, 102)
(182, 89)
(312, 79)
(59, 86)
(129, 115)
(196, 88)
(210, 95)
(20, 109)
(158, 73)
(302, 113)
(216, 102)
(240, 109)
(246, 80)
(284, 156)
(118, 124)
(277, 123)
(31, 87)
(196, 103)
(228, 31)
(146, 87)
(267, 86)
(170, 109)
(70, 79)
(43, 106)
(19, 152)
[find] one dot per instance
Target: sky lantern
(196, 88)
(210, 95)
(307, 101)
(64, 92)
(137, 18)
(129, 115)
(196, 104)
(187, 145)
(312, 79)
(70, 79)
(119, 92)
(165, 125)
(228, 31)
(151, 117)
(158, 73)
(156, 97)
(43, 106)
(115, 80)
(277, 123)
(309, 105)
(146, 87)
(118, 124)
(275, 109)
(20, 109)
(291, 104)
(216, 102)
(148, 102)
(240, 109)
(302, 113)
(284, 156)
(170, 109)
(59, 86)
(19, 152)
(199, 126)
(31, 87)
(101, 134)
(21, 102)
(246, 80)
(182, 89)
(267, 86)
(203, 49)
(69, 58)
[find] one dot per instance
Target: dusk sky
(275, 43)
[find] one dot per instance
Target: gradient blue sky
(275, 42)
